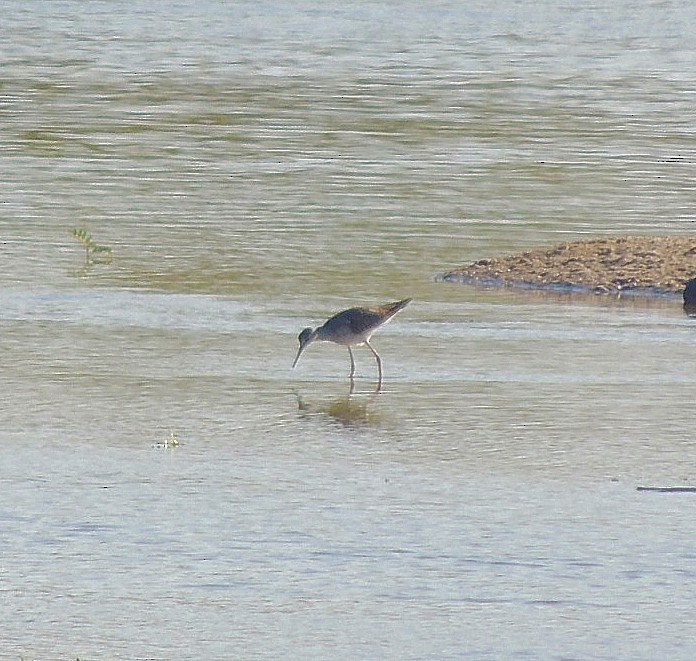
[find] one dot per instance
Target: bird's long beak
(305, 338)
(299, 353)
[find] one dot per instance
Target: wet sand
(650, 265)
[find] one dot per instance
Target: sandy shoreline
(650, 265)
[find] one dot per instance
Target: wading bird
(351, 328)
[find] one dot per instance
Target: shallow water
(257, 167)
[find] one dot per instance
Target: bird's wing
(364, 320)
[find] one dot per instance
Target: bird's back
(356, 325)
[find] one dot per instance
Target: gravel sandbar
(642, 264)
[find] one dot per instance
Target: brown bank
(639, 264)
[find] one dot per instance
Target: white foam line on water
(126, 308)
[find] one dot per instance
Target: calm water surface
(256, 167)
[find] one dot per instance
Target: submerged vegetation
(94, 253)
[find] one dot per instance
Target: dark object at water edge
(690, 298)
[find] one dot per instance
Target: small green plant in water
(94, 253)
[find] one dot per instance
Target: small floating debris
(668, 489)
(170, 442)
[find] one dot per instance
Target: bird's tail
(390, 309)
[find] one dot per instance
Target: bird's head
(306, 337)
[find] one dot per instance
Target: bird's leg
(379, 365)
(352, 365)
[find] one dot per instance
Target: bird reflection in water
(348, 410)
